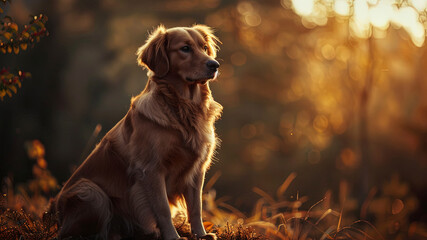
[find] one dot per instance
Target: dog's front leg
(154, 187)
(193, 199)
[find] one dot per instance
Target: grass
(275, 217)
(18, 224)
(267, 222)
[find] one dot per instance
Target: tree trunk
(365, 161)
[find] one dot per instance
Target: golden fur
(158, 153)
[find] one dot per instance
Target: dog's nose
(212, 64)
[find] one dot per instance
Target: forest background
(329, 94)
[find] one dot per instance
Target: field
(24, 214)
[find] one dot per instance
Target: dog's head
(187, 53)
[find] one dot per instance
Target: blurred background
(330, 92)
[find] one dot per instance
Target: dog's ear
(153, 55)
(209, 37)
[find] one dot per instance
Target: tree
(12, 40)
(366, 23)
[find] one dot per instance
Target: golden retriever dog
(157, 154)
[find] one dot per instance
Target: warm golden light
(360, 20)
(349, 158)
(303, 7)
(365, 16)
(408, 18)
(420, 5)
(320, 123)
(397, 206)
(379, 16)
(342, 7)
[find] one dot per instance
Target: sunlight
(420, 5)
(380, 15)
(249, 16)
(328, 52)
(408, 18)
(303, 7)
(342, 7)
(320, 123)
(253, 19)
(368, 16)
(360, 21)
(418, 34)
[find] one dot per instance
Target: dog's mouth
(203, 80)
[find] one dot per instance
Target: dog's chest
(186, 160)
(184, 153)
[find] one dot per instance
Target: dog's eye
(206, 48)
(186, 49)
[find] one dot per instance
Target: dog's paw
(209, 236)
(182, 238)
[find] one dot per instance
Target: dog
(157, 155)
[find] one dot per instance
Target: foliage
(9, 82)
(16, 224)
(33, 195)
(22, 215)
(13, 40)
(266, 223)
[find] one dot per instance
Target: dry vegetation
(23, 212)
(295, 224)
(23, 216)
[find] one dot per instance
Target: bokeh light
(366, 16)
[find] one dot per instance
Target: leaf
(42, 162)
(1, 10)
(9, 93)
(208, 226)
(24, 46)
(18, 83)
(2, 94)
(14, 26)
(3, 50)
(16, 49)
(9, 49)
(26, 34)
(7, 35)
(13, 88)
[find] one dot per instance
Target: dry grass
(275, 217)
(18, 224)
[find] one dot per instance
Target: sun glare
(342, 7)
(303, 7)
(360, 20)
(420, 5)
(367, 15)
(380, 15)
